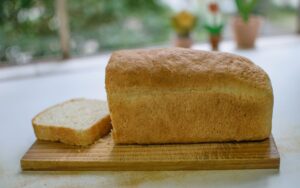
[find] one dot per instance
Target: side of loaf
(75, 122)
(178, 95)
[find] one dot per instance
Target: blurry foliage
(262, 7)
(24, 28)
(29, 26)
(119, 24)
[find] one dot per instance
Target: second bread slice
(76, 122)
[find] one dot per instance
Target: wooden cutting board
(104, 155)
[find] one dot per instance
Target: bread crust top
(171, 68)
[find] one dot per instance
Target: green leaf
(214, 30)
(245, 7)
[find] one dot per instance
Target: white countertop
(21, 99)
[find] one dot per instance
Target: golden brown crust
(184, 96)
(189, 118)
(71, 136)
(178, 67)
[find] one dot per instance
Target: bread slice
(76, 122)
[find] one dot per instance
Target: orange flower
(213, 7)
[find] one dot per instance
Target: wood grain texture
(105, 155)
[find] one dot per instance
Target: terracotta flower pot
(183, 42)
(245, 33)
(214, 42)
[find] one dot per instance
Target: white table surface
(21, 99)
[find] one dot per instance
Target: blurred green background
(28, 28)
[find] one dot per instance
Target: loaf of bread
(76, 122)
(186, 96)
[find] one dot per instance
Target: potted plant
(183, 23)
(214, 26)
(245, 26)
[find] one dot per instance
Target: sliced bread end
(75, 122)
